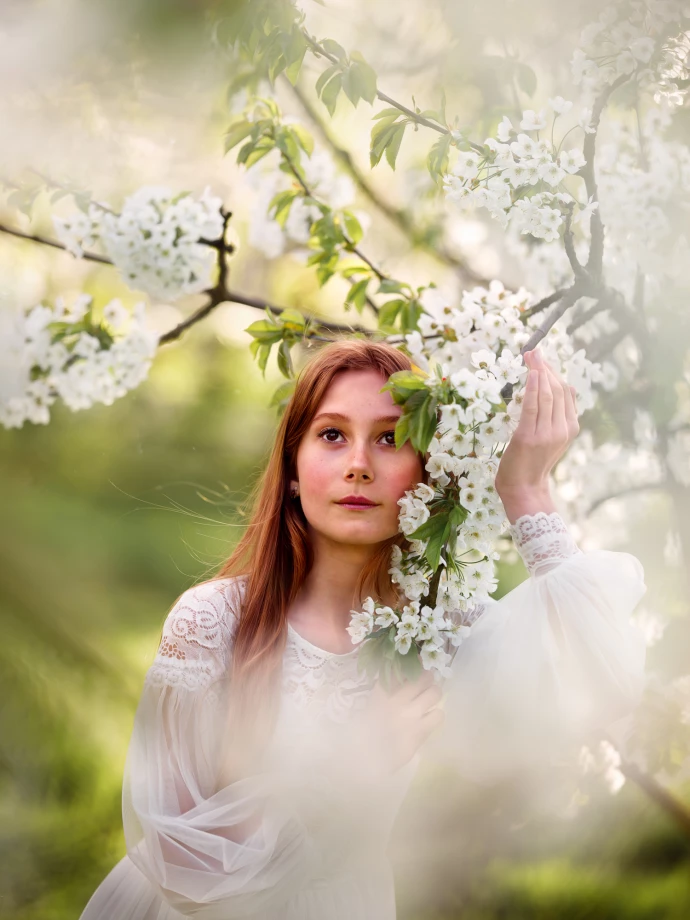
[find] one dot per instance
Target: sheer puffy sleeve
(553, 660)
(210, 852)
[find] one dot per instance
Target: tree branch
(569, 243)
(46, 241)
(217, 295)
(568, 299)
(658, 794)
(319, 51)
(546, 302)
(596, 246)
(397, 216)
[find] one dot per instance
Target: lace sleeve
(543, 541)
(195, 645)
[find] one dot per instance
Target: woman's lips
(356, 505)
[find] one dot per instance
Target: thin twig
(215, 298)
(570, 297)
(569, 243)
(46, 241)
(658, 794)
(317, 49)
(398, 216)
(545, 302)
(358, 252)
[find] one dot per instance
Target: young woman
(265, 769)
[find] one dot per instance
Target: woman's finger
(569, 404)
(530, 403)
(545, 403)
(559, 418)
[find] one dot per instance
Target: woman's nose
(359, 462)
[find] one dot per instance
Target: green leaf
(304, 138)
(326, 76)
(437, 160)
(352, 227)
(356, 269)
(406, 381)
(285, 360)
(283, 394)
(411, 664)
(437, 542)
(277, 66)
(365, 77)
(381, 135)
(409, 315)
(350, 87)
(292, 320)
(388, 113)
(389, 286)
(393, 146)
(280, 205)
(402, 431)
(389, 312)
(295, 55)
(236, 133)
(329, 96)
(434, 524)
(357, 295)
(264, 331)
(335, 49)
(260, 351)
(423, 426)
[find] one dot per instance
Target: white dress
(556, 656)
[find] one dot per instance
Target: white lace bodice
(195, 646)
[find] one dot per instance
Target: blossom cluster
(643, 39)
(266, 180)
(426, 627)
(51, 353)
(518, 177)
(639, 189)
(155, 241)
(469, 353)
(603, 761)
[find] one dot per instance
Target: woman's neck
(321, 609)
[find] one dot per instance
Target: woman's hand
(547, 427)
(390, 730)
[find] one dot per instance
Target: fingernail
(538, 358)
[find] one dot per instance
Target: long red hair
(274, 552)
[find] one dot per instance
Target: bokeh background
(109, 514)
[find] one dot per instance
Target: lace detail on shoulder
(543, 541)
(196, 641)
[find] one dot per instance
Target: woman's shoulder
(197, 633)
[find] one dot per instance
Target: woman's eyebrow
(383, 419)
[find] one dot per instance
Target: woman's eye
(389, 434)
(327, 431)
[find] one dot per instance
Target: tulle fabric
(553, 659)
(317, 848)
(546, 665)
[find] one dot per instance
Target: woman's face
(349, 449)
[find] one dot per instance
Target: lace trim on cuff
(543, 540)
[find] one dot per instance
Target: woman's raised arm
(554, 659)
